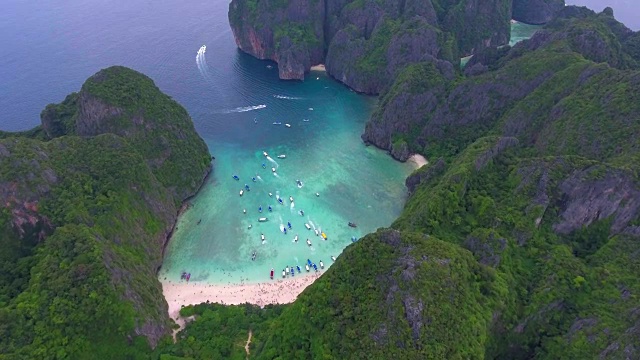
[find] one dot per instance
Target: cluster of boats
(289, 270)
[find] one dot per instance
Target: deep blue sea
(48, 48)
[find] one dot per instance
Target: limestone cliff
(364, 44)
(536, 11)
(96, 189)
(433, 116)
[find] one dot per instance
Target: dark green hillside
(122, 101)
(84, 220)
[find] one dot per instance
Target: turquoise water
(354, 182)
(60, 43)
(521, 31)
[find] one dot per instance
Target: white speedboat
(317, 232)
(282, 156)
(273, 169)
(317, 194)
(270, 194)
(307, 226)
(307, 267)
(321, 265)
(295, 238)
(262, 237)
(290, 198)
(203, 49)
(333, 258)
(308, 242)
(287, 125)
(241, 192)
(262, 219)
(265, 154)
(284, 274)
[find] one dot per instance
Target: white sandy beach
(283, 291)
(418, 160)
(319, 67)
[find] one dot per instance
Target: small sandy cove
(283, 291)
(418, 160)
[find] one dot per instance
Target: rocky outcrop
(158, 127)
(119, 159)
(536, 11)
(290, 33)
(425, 114)
(593, 194)
(366, 43)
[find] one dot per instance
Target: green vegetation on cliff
(519, 240)
(84, 221)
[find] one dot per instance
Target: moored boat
(263, 219)
(241, 192)
(287, 125)
(317, 232)
(273, 169)
(284, 274)
(298, 268)
(333, 258)
(262, 237)
(321, 265)
(307, 226)
(253, 256)
(271, 275)
(352, 224)
(290, 198)
(282, 156)
(308, 242)
(324, 236)
(307, 267)
(295, 239)
(236, 177)
(265, 154)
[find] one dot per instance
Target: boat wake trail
(287, 97)
(201, 62)
(272, 161)
(243, 109)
